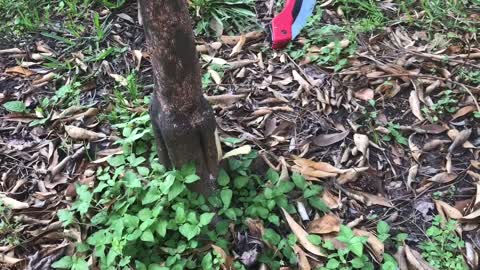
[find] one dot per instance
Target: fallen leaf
(374, 244)
(329, 139)
(215, 76)
(301, 235)
(317, 165)
(472, 216)
(401, 259)
(471, 255)
(464, 111)
(350, 175)
(238, 48)
(82, 134)
(12, 203)
(365, 94)
(443, 178)
(414, 149)
(415, 105)
(362, 142)
(310, 172)
(369, 199)
(449, 211)
(250, 36)
(412, 174)
(415, 260)
(19, 70)
(119, 78)
(242, 150)
(303, 263)
(326, 224)
(460, 139)
(332, 201)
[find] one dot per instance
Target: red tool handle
(282, 26)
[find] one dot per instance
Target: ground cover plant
(356, 147)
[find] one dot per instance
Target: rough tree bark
(183, 121)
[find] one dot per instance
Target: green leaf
(167, 183)
(207, 262)
(64, 262)
(272, 175)
(206, 218)
(15, 106)
(132, 180)
(192, 178)
(223, 178)
(285, 187)
(65, 216)
(116, 161)
(161, 227)
(147, 236)
(333, 264)
(84, 198)
(319, 204)
(80, 264)
(143, 171)
(226, 196)
(188, 169)
(240, 181)
(175, 190)
(345, 234)
(356, 246)
(299, 181)
(357, 263)
(153, 194)
(155, 266)
(314, 239)
(189, 230)
(144, 214)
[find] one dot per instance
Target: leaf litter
(309, 118)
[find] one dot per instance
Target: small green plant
(352, 257)
(365, 16)
(15, 106)
(446, 104)
(217, 16)
(383, 231)
(394, 132)
(443, 249)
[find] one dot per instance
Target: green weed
(395, 133)
(217, 16)
(364, 16)
(443, 250)
(446, 104)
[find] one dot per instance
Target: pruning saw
(286, 26)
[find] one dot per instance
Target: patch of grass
(29, 15)
(395, 133)
(443, 250)
(214, 17)
(324, 45)
(9, 235)
(364, 16)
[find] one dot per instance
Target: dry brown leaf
(251, 36)
(464, 111)
(119, 78)
(475, 215)
(412, 174)
(350, 175)
(303, 263)
(361, 142)
(326, 224)
(12, 203)
(414, 149)
(365, 94)
(332, 201)
(317, 165)
(83, 134)
(239, 64)
(301, 235)
(434, 144)
(242, 150)
(215, 76)
(475, 164)
(401, 259)
(415, 105)
(449, 211)
(475, 176)
(376, 246)
(329, 139)
(310, 172)
(255, 227)
(19, 70)
(443, 178)
(471, 255)
(415, 260)
(238, 48)
(8, 260)
(369, 199)
(460, 139)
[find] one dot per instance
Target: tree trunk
(183, 121)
